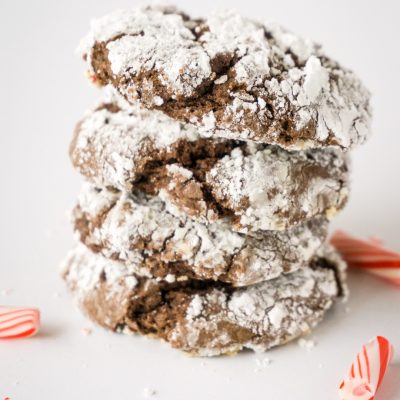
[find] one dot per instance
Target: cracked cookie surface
(255, 186)
(230, 77)
(142, 230)
(205, 318)
(126, 147)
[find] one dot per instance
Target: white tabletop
(43, 93)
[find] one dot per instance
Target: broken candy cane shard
(18, 322)
(368, 255)
(367, 371)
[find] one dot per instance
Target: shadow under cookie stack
(213, 165)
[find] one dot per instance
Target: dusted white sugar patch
(159, 47)
(220, 319)
(272, 189)
(110, 143)
(278, 307)
(96, 204)
(316, 79)
(133, 228)
(176, 169)
(150, 38)
(195, 307)
(86, 280)
(262, 185)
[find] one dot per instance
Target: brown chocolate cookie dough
(229, 77)
(255, 186)
(205, 318)
(140, 230)
(119, 145)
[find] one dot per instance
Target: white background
(43, 93)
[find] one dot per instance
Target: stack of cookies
(213, 165)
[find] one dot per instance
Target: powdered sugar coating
(230, 77)
(211, 321)
(140, 230)
(263, 187)
(275, 189)
(113, 138)
(87, 279)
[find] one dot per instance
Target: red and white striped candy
(367, 371)
(18, 323)
(369, 256)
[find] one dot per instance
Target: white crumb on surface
(307, 344)
(262, 364)
(149, 393)
(86, 331)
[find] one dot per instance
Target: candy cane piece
(369, 256)
(367, 371)
(18, 323)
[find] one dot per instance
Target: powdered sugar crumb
(262, 364)
(307, 344)
(149, 393)
(170, 278)
(86, 331)
(195, 307)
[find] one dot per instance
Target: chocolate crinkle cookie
(229, 77)
(255, 186)
(213, 163)
(205, 318)
(142, 230)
